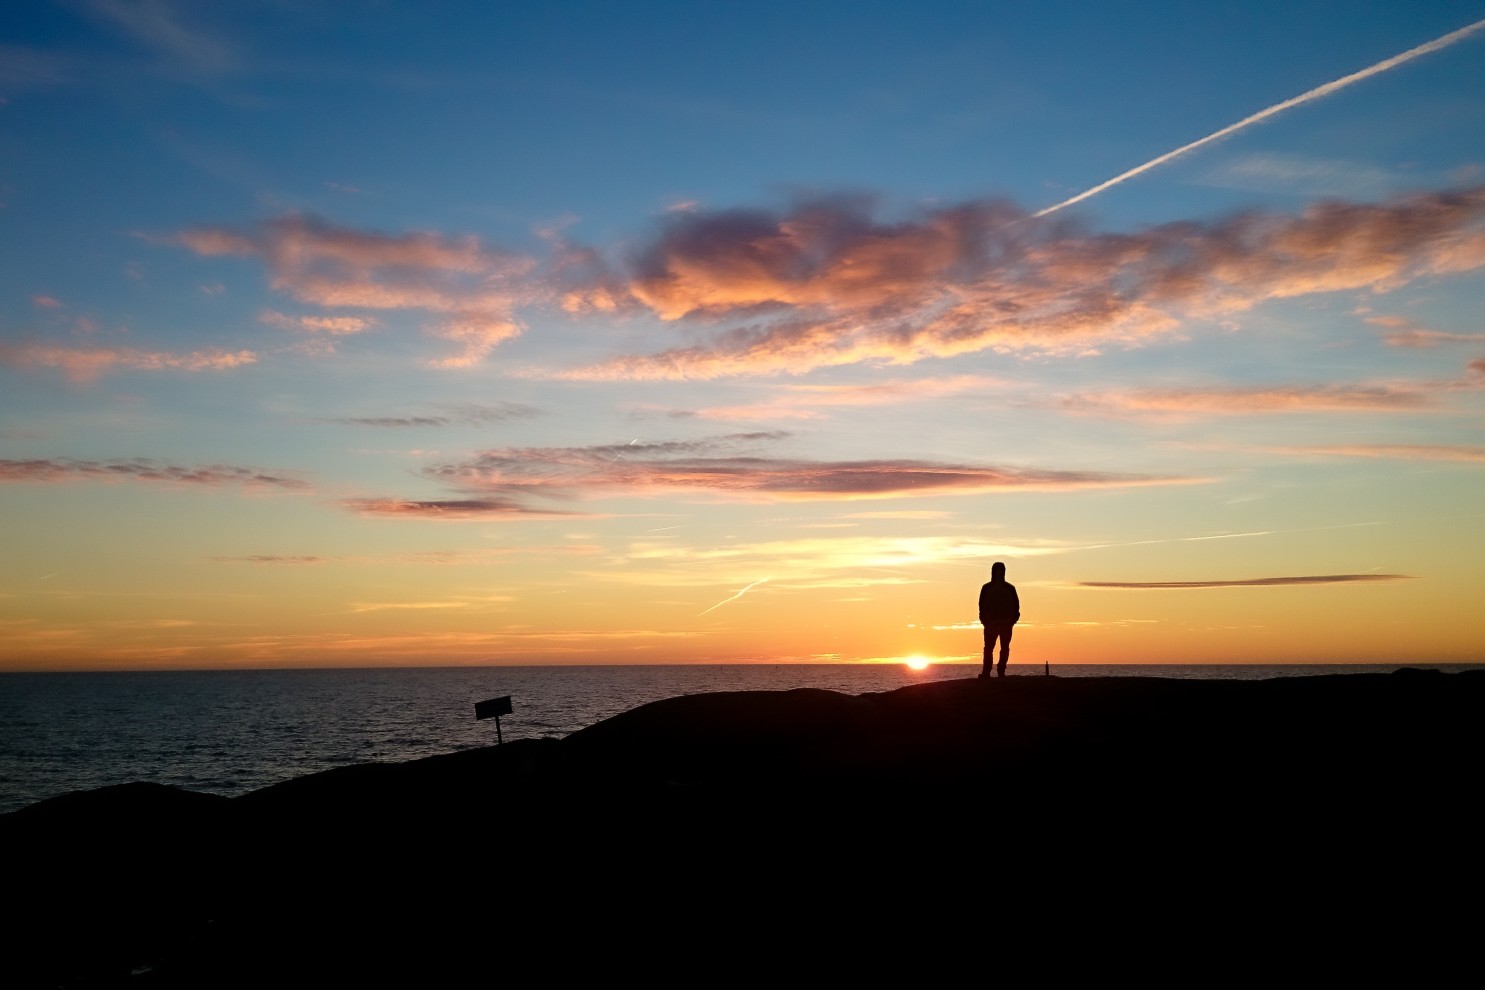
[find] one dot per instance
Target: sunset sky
(391, 333)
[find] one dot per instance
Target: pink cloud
(1406, 333)
(473, 286)
(325, 324)
(83, 364)
(46, 302)
(808, 401)
(64, 470)
(827, 283)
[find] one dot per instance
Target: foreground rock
(745, 824)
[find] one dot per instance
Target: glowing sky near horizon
(382, 333)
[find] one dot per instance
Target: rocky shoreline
(735, 820)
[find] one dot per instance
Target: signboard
(493, 708)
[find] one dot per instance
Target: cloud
(807, 401)
(460, 508)
(472, 288)
(23, 67)
(325, 324)
(1299, 175)
(158, 25)
(825, 282)
(473, 414)
(65, 469)
(1400, 451)
(1265, 582)
(84, 364)
(484, 555)
(718, 466)
(1405, 333)
(46, 302)
(1254, 399)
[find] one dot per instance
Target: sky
(384, 333)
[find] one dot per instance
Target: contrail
(735, 597)
(1261, 115)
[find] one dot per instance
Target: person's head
(997, 571)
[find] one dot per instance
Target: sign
(494, 708)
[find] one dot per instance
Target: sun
(917, 662)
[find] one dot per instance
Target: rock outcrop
(748, 825)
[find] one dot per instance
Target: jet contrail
(1261, 115)
(735, 597)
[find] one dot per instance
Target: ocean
(230, 732)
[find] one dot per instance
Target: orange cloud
(83, 364)
(1255, 399)
(474, 286)
(66, 469)
(826, 283)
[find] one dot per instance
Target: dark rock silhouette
(751, 827)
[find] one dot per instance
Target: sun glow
(917, 662)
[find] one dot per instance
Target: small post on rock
(494, 708)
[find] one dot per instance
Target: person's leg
(1005, 648)
(989, 660)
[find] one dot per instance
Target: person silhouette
(1000, 610)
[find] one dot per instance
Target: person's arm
(1015, 605)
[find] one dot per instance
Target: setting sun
(916, 662)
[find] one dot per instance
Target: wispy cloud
(85, 364)
(473, 288)
(61, 470)
(454, 508)
(1264, 582)
(808, 401)
(432, 558)
(24, 67)
(1309, 96)
(323, 324)
(1403, 332)
(160, 26)
(709, 467)
(1243, 400)
(1399, 451)
(471, 414)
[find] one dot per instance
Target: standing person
(1000, 609)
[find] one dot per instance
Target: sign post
(494, 708)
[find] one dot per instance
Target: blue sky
(379, 332)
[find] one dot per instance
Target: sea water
(230, 732)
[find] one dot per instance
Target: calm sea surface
(229, 732)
